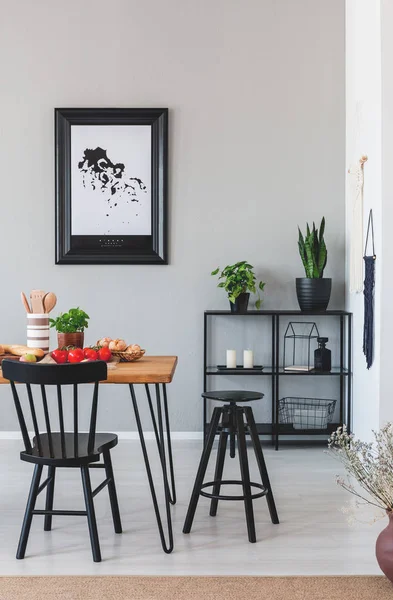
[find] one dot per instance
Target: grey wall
(256, 97)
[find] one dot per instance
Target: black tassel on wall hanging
(369, 283)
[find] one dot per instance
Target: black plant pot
(313, 294)
(241, 303)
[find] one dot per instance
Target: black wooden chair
(63, 448)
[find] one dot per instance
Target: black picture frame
(112, 249)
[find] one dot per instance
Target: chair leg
(222, 447)
(24, 536)
(261, 464)
(245, 473)
(202, 469)
(91, 516)
(112, 492)
(50, 490)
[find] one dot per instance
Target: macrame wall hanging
(369, 283)
(356, 183)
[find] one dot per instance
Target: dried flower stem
(370, 464)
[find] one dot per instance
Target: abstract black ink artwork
(99, 171)
(111, 180)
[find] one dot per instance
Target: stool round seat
(233, 396)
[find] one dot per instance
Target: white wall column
(386, 395)
(369, 130)
(363, 136)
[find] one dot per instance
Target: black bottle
(322, 356)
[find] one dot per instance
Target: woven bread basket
(128, 356)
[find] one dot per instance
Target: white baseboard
(149, 435)
(123, 435)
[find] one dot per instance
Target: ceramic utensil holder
(38, 331)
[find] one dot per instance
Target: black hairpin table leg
(172, 493)
(167, 547)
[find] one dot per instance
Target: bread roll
(133, 349)
(117, 345)
(104, 342)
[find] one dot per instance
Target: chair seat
(233, 396)
(73, 452)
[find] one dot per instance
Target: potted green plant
(239, 281)
(313, 290)
(70, 327)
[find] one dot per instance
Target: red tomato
(60, 356)
(104, 354)
(75, 355)
(90, 353)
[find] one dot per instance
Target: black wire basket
(306, 413)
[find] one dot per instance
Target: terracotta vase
(70, 339)
(384, 549)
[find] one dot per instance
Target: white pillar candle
(248, 359)
(231, 359)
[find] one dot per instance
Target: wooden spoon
(25, 302)
(36, 297)
(49, 301)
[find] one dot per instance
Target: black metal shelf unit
(343, 371)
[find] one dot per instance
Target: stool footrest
(231, 482)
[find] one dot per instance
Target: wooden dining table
(155, 371)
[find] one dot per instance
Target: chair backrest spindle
(76, 419)
(93, 418)
(21, 418)
(34, 418)
(47, 420)
(61, 420)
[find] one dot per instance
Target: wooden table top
(149, 369)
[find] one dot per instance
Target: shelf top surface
(321, 313)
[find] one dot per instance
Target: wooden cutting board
(10, 356)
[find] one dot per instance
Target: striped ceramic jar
(38, 331)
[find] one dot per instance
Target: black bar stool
(236, 421)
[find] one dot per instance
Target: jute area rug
(195, 588)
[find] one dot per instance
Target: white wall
(363, 136)
(369, 92)
(256, 97)
(386, 412)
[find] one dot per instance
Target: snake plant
(312, 250)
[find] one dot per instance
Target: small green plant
(70, 322)
(312, 250)
(239, 279)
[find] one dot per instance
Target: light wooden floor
(312, 538)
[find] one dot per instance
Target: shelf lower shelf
(215, 371)
(335, 372)
(284, 429)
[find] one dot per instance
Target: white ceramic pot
(38, 331)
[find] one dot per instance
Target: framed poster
(111, 185)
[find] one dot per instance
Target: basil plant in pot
(238, 281)
(313, 290)
(70, 327)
